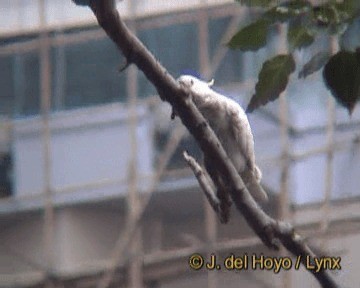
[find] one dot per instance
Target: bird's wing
(243, 136)
(241, 131)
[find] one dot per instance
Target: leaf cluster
(305, 21)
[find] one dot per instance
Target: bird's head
(193, 82)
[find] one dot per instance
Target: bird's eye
(192, 82)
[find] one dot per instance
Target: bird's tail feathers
(258, 174)
(252, 183)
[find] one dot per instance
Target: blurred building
(94, 190)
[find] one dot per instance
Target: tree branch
(206, 184)
(269, 230)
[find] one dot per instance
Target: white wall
(88, 147)
(22, 16)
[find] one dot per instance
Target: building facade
(94, 190)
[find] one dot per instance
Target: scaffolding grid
(136, 260)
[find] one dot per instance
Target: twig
(205, 182)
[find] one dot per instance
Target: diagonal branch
(178, 97)
(268, 229)
(205, 182)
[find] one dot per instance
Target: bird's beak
(211, 82)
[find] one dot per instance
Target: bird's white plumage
(231, 125)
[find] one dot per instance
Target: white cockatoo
(230, 123)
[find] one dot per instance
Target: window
(177, 54)
(5, 175)
(19, 84)
(86, 74)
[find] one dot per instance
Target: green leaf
(325, 15)
(342, 76)
(349, 9)
(314, 64)
(251, 37)
(297, 7)
(335, 15)
(288, 10)
(273, 79)
(256, 3)
(299, 37)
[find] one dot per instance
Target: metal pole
(135, 273)
(45, 91)
(210, 217)
(285, 151)
(134, 203)
(334, 47)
